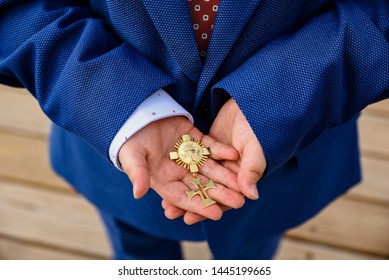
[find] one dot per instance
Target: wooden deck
(41, 217)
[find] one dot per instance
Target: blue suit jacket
(300, 71)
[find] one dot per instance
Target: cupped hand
(145, 159)
(232, 129)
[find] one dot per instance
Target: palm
(252, 162)
(160, 143)
(145, 158)
(231, 128)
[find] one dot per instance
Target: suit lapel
(230, 21)
(173, 21)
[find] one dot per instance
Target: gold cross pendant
(192, 155)
(202, 192)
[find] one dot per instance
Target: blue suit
(300, 71)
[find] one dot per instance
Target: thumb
(133, 161)
(251, 169)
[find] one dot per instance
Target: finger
(251, 170)
(192, 218)
(219, 151)
(173, 212)
(223, 195)
(220, 174)
(174, 193)
(133, 161)
(165, 204)
(231, 165)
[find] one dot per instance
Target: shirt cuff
(157, 106)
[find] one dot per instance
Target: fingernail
(254, 191)
(134, 192)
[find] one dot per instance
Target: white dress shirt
(157, 106)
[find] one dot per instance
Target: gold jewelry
(192, 155)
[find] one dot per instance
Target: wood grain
(381, 108)
(42, 218)
(374, 187)
(26, 159)
(289, 249)
(374, 135)
(20, 250)
(21, 114)
(50, 218)
(349, 224)
(294, 249)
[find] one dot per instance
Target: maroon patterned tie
(203, 14)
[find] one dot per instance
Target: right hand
(145, 159)
(232, 128)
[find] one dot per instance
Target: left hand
(145, 159)
(232, 128)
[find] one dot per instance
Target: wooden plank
(20, 113)
(380, 108)
(289, 249)
(17, 161)
(374, 136)
(26, 159)
(13, 163)
(9, 89)
(374, 187)
(350, 224)
(196, 250)
(50, 218)
(17, 250)
(293, 249)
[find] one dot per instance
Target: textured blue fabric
(300, 71)
(85, 79)
(314, 78)
(129, 243)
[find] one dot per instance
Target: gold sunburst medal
(190, 154)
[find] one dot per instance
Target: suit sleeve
(86, 80)
(317, 77)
